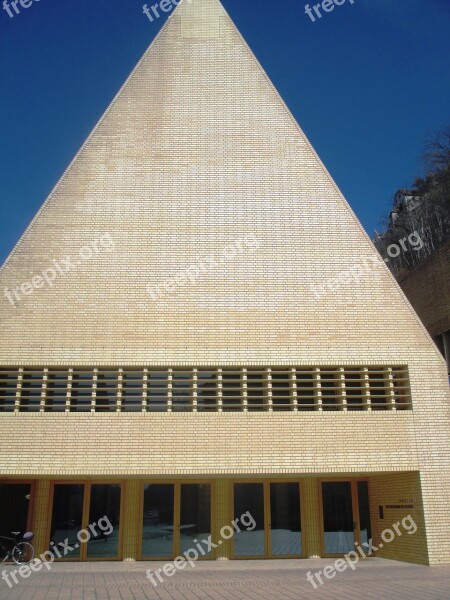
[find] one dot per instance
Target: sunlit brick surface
(197, 151)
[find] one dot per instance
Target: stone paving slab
(372, 579)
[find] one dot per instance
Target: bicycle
(19, 547)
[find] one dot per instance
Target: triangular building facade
(196, 326)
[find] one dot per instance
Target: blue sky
(367, 83)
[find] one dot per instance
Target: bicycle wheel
(23, 553)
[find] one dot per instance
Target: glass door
(15, 515)
(346, 515)
(175, 517)
(104, 521)
(275, 508)
(249, 497)
(285, 520)
(67, 520)
(158, 521)
(365, 530)
(195, 515)
(85, 521)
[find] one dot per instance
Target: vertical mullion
(317, 389)
(176, 519)
(144, 390)
(367, 397)
(389, 376)
(244, 390)
(18, 390)
(169, 390)
(85, 517)
(94, 389)
(268, 377)
(293, 390)
(342, 391)
(219, 390)
(267, 518)
(355, 503)
(43, 390)
(194, 387)
(69, 389)
(119, 390)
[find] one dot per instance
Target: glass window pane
(355, 390)
(56, 394)
(81, 391)
(331, 386)
(104, 514)
(249, 497)
(157, 390)
(206, 391)
(67, 517)
(402, 390)
(338, 517)
(195, 517)
(158, 524)
(364, 511)
(256, 390)
(106, 391)
(31, 392)
(182, 391)
(231, 390)
(285, 519)
(379, 392)
(306, 386)
(281, 389)
(8, 389)
(132, 391)
(14, 506)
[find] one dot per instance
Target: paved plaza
(373, 579)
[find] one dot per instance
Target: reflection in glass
(157, 527)
(106, 391)
(13, 509)
(56, 393)
(132, 385)
(104, 513)
(256, 389)
(285, 519)
(81, 391)
(182, 391)
(206, 391)
(231, 390)
(31, 390)
(195, 517)
(338, 517)
(67, 517)
(249, 497)
(157, 390)
(364, 511)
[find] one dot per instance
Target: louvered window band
(228, 389)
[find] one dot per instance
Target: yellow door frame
(266, 483)
(83, 557)
(355, 510)
(176, 483)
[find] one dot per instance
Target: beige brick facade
(197, 151)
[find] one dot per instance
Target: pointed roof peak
(196, 154)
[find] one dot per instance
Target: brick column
(40, 522)
(131, 526)
(311, 522)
